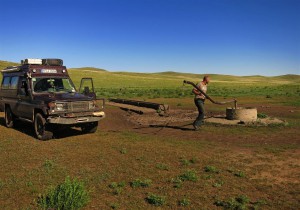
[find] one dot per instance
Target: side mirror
(86, 90)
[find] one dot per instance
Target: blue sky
(237, 37)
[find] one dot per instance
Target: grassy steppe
(170, 84)
(126, 166)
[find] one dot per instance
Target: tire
(9, 117)
(40, 129)
(89, 127)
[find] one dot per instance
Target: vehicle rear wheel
(89, 127)
(40, 128)
(9, 117)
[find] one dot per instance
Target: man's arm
(196, 92)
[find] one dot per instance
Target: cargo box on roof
(52, 62)
(32, 61)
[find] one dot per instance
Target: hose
(209, 98)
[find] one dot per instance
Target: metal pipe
(156, 106)
(209, 98)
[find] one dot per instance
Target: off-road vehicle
(41, 92)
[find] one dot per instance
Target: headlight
(57, 106)
(60, 107)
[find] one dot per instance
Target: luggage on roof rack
(32, 61)
(52, 62)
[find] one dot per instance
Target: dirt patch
(259, 122)
(178, 115)
(157, 119)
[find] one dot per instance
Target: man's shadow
(181, 127)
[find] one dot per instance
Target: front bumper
(95, 117)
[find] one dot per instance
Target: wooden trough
(140, 107)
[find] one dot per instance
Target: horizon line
(170, 71)
(179, 72)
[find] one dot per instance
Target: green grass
(262, 115)
(156, 200)
(219, 183)
(114, 205)
(1, 184)
(184, 202)
(186, 162)
(108, 161)
(123, 151)
(4, 64)
(48, 165)
(177, 182)
(239, 174)
(141, 183)
(170, 84)
(162, 166)
(117, 187)
(71, 194)
(211, 169)
(238, 203)
(189, 175)
(96, 160)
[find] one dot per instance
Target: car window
(14, 82)
(5, 82)
(43, 84)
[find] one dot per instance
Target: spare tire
(52, 62)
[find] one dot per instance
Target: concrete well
(242, 113)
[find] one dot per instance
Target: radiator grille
(78, 106)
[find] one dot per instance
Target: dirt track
(179, 125)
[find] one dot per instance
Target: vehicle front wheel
(9, 117)
(40, 128)
(89, 127)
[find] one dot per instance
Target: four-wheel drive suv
(41, 92)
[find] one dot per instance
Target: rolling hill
(170, 84)
(165, 78)
(4, 64)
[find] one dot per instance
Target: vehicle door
(24, 105)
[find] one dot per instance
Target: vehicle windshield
(42, 84)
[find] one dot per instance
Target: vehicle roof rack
(11, 69)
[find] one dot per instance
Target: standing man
(199, 101)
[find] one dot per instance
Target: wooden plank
(139, 110)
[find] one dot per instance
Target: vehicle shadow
(27, 128)
(22, 127)
(67, 132)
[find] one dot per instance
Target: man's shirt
(202, 87)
